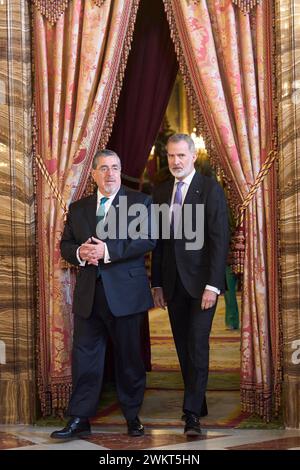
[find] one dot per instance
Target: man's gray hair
(175, 138)
(104, 153)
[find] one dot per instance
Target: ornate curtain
(225, 54)
(79, 60)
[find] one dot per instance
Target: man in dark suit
(112, 291)
(189, 278)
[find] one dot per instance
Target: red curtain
(226, 60)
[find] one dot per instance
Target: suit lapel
(90, 213)
(169, 191)
(195, 190)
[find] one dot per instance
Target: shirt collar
(187, 180)
(100, 195)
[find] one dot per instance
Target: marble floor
(107, 438)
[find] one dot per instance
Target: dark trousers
(191, 328)
(89, 347)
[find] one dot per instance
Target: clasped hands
(92, 250)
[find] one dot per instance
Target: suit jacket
(125, 279)
(196, 267)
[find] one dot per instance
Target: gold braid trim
(108, 125)
(52, 185)
(259, 179)
(246, 5)
(51, 9)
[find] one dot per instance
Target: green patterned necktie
(101, 210)
(99, 218)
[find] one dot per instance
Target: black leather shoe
(76, 427)
(135, 427)
(192, 425)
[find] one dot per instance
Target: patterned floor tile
(10, 441)
(274, 444)
(152, 439)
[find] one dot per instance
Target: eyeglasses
(105, 169)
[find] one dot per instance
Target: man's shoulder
(135, 196)
(163, 187)
(83, 202)
(208, 183)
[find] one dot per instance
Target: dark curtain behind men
(149, 78)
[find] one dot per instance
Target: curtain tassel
(237, 250)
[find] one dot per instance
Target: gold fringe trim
(256, 401)
(99, 3)
(51, 9)
(234, 198)
(253, 190)
(55, 399)
(237, 251)
(278, 372)
(109, 121)
(246, 5)
(108, 125)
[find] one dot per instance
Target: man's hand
(92, 250)
(209, 299)
(158, 297)
(97, 252)
(86, 249)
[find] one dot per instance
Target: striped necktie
(176, 207)
(101, 210)
(100, 214)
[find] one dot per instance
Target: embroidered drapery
(226, 61)
(79, 64)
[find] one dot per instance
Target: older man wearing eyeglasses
(112, 293)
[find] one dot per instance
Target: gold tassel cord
(45, 173)
(259, 179)
(53, 187)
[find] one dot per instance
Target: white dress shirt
(184, 189)
(106, 205)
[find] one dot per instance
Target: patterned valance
(245, 5)
(53, 9)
